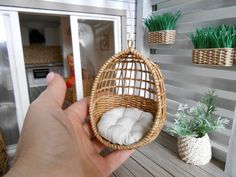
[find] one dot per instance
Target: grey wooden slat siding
(230, 167)
(186, 82)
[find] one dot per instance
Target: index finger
(79, 109)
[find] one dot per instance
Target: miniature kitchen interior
(43, 49)
(47, 46)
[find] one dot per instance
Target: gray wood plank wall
(185, 82)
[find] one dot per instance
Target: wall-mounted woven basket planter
(128, 79)
(214, 56)
(3, 156)
(234, 56)
(162, 37)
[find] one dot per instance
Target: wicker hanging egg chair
(128, 79)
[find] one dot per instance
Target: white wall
(50, 31)
(116, 4)
(184, 81)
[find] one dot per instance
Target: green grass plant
(166, 21)
(223, 36)
(196, 121)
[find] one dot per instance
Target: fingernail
(131, 151)
(50, 77)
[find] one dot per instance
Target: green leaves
(223, 36)
(198, 120)
(166, 21)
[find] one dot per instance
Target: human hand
(56, 142)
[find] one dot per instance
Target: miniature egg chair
(128, 79)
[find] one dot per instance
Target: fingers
(97, 145)
(79, 109)
(116, 158)
(88, 130)
(54, 95)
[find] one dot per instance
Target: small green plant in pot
(162, 27)
(214, 45)
(192, 126)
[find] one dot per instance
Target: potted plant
(214, 45)
(192, 126)
(162, 27)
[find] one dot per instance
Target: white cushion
(124, 126)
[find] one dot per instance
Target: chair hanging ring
(130, 43)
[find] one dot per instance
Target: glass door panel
(8, 114)
(46, 40)
(95, 39)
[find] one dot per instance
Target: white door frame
(17, 65)
(16, 57)
(76, 47)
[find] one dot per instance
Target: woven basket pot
(128, 79)
(3, 156)
(162, 37)
(196, 151)
(234, 54)
(215, 57)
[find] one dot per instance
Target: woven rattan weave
(3, 156)
(128, 79)
(215, 56)
(196, 151)
(162, 37)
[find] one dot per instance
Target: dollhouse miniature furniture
(129, 80)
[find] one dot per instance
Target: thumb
(55, 92)
(116, 158)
